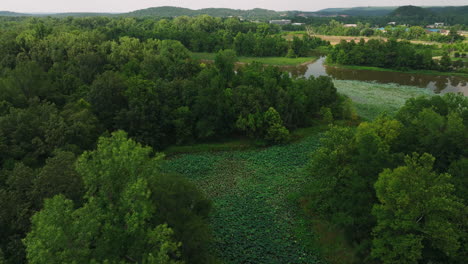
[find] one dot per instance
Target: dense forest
(89, 105)
(66, 82)
(397, 185)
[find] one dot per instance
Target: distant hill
(169, 11)
(359, 11)
(8, 13)
(79, 14)
(446, 13)
(411, 11)
(450, 10)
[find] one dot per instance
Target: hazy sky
(130, 5)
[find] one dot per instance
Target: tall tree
(123, 219)
(418, 217)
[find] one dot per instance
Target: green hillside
(169, 11)
(406, 11)
(450, 10)
(8, 13)
(359, 11)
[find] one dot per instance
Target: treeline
(458, 20)
(392, 54)
(66, 82)
(198, 34)
(335, 28)
(397, 186)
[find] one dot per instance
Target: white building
(281, 22)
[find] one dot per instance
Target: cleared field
(336, 39)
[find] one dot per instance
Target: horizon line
(124, 12)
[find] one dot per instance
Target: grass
(225, 145)
(337, 39)
(427, 72)
(255, 218)
(460, 59)
(278, 61)
(372, 99)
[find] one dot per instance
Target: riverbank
(273, 61)
(426, 72)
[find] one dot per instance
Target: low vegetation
(373, 99)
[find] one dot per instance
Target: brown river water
(437, 83)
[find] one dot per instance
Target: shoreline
(268, 61)
(371, 68)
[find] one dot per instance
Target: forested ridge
(88, 105)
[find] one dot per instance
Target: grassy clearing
(278, 61)
(255, 216)
(372, 99)
(427, 72)
(336, 39)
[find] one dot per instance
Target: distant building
(444, 32)
(350, 25)
(436, 25)
(298, 24)
(281, 22)
(391, 23)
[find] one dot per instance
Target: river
(437, 83)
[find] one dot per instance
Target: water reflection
(437, 83)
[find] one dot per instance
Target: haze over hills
(258, 13)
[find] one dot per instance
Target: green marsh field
(256, 214)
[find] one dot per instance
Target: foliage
(345, 170)
(122, 200)
(23, 194)
(386, 54)
(417, 210)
